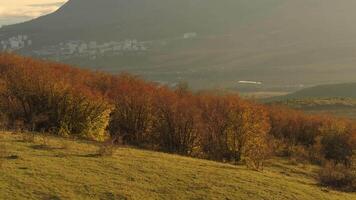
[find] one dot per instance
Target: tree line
(50, 97)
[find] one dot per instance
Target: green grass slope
(70, 170)
(334, 99)
(345, 90)
(342, 90)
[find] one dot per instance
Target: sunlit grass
(65, 169)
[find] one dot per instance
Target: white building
(189, 35)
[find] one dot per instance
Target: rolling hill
(55, 168)
(282, 43)
(342, 90)
(334, 99)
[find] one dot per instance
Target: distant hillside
(66, 169)
(345, 90)
(339, 107)
(279, 43)
(108, 20)
(334, 99)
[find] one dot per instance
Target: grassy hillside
(65, 169)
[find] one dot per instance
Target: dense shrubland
(48, 97)
(318, 139)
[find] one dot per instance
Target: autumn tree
(249, 135)
(336, 140)
(293, 128)
(215, 114)
(177, 124)
(133, 115)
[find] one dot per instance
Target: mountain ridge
(283, 44)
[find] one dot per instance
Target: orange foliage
(69, 101)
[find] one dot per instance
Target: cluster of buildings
(78, 48)
(15, 43)
(91, 49)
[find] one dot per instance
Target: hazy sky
(13, 11)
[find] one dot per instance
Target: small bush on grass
(28, 137)
(280, 148)
(64, 145)
(106, 149)
(338, 176)
(44, 139)
(299, 154)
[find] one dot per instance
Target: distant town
(78, 48)
(15, 43)
(75, 48)
(90, 49)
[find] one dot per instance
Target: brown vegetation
(338, 176)
(48, 97)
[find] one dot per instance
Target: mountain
(281, 44)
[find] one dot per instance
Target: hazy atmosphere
(177, 99)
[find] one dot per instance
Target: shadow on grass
(91, 155)
(112, 196)
(23, 168)
(45, 147)
(12, 157)
(65, 155)
(51, 197)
